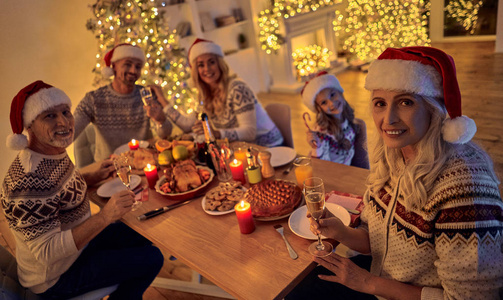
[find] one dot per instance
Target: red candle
(245, 218)
(237, 171)
(134, 145)
(151, 173)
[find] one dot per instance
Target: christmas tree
(139, 22)
(370, 26)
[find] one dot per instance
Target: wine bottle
(209, 139)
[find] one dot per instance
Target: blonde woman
(433, 216)
(233, 109)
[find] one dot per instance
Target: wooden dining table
(246, 266)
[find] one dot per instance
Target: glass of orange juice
(240, 149)
(303, 169)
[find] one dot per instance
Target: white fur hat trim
(42, 101)
(107, 72)
(459, 130)
(123, 51)
(204, 47)
(316, 85)
(404, 75)
(16, 141)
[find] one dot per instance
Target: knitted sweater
(118, 118)
(453, 245)
(43, 198)
(329, 149)
(243, 118)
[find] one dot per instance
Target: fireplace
(300, 31)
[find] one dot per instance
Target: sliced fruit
(162, 145)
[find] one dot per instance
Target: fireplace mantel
(281, 64)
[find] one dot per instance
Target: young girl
(338, 136)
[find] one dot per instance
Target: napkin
(349, 201)
(142, 195)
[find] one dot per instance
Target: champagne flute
(314, 193)
(123, 169)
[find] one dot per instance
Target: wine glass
(146, 95)
(314, 193)
(123, 169)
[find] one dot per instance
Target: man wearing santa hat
(61, 250)
(433, 216)
(116, 110)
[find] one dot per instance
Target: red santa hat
(119, 52)
(30, 102)
(320, 82)
(424, 71)
(202, 46)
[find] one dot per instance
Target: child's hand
(312, 139)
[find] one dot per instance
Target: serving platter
(188, 194)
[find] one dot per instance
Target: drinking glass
(146, 95)
(123, 169)
(314, 193)
(303, 169)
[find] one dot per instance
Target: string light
(371, 26)
(465, 12)
(311, 59)
(138, 22)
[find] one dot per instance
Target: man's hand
(118, 205)
(97, 171)
(154, 111)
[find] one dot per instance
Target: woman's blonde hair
(419, 175)
(334, 125)
(213, 101)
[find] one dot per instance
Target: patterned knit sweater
(118, 118)
(331, 150)
(43, 198)
(243, 118)
(453, 245)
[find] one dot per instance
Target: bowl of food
(184, 180)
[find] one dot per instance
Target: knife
(160, 210)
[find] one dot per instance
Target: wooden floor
(480, 76)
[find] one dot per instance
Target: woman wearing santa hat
(61, 250)
(433, 216)
(232, 107)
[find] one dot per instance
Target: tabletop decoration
(151, 174)
(133, 144)
(237, 171)
(245, 218)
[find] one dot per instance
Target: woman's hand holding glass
(314, 194)
(328, 225)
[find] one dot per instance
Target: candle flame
(133, 141)
(242, 203)
(149, 167)
(235, 161)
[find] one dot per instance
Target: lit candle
(134, 145)
(237, 171)
(151, 173)
(245, 218)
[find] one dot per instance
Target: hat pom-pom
(107, 72)
(459, 130)
(17, 141)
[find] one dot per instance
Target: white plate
(123, 148)
(216, 212)
(281, 155)
(115, 185)
(299, 223)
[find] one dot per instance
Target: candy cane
(306, 114)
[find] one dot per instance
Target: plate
(217, 213)
(281, 155)
(115, 185)
(299, 224)
(123, 148)
(188, 194)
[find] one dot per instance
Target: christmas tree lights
(139, 22)
(465, 12)
(371, 26)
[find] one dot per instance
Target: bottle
(253, 170)
(209, 140)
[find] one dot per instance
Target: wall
(44, 40)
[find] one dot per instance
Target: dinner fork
(292, 253)
(287, 170)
